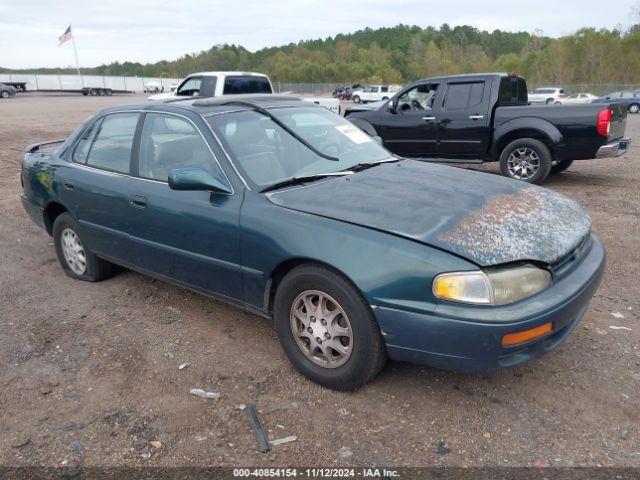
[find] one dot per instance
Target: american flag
(66, 36)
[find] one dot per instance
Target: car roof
(227, 73)
(219, 104)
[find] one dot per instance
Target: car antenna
(278, 122)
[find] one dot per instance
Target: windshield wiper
(364, 165)
(282, 125)
(302, 179)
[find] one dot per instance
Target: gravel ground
(90, 371)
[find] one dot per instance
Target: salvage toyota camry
(288, 210)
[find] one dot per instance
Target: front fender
(527, 126)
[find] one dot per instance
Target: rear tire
(527, 160)
(108, 92)
(360, 353)
(356, 99)
(74, 256)
(4, 94)
(93, 92)
(634, 108)
(561, 166)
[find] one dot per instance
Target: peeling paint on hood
(485, 218)
(517, 226)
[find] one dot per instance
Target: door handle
(476, 117)
(428, 119)
(138, 201)
(68, 185)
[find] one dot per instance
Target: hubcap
(634, 108)
(73, 251)
(523, 163)
(321, 329)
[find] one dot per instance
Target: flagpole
(75, 52)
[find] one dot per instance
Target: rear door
(188, 236)
(97, 182)
(463, 120)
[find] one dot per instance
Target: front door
(463, 120)
(188, 236)
(410, 128)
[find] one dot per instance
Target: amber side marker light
(526, 335)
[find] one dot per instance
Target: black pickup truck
(477, 118)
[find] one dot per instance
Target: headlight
(492, 287)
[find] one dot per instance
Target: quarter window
(169, 142)
(111, 147)
(84, 145)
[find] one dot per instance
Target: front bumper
(614, 149)
(468, 338)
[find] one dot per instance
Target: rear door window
(83, 146)
(111, 147)
(237, 84)
(463, 95)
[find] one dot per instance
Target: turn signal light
(604, 122)
(526, 335)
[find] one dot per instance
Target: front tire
(77, 261)
(561, 166)
(356, 99)
(327, 329)
(526, 159)
(549, 101)
(4, 94)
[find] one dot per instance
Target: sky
(148, 31)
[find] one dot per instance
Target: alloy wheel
(321, 329)
(523, 163)
(73, 251)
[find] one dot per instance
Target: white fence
(76, 82)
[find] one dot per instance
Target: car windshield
(268, 154)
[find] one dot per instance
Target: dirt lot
(90, 371)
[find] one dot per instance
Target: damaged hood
(484, 218)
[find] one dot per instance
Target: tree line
(404, 53)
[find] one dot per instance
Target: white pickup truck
(374, 93)
(214, 84)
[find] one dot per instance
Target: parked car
(485, 117)
(6, 91)
(215, 84)
(337, 91)
(578, 98)
(374, 93)
(547, 95)
(153, 87)
(289, 211)
(348, 93)
(631, 100)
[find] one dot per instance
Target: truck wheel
(4, 94)
(76, 259)
(526, 159)
(327, 329)
(561, 166)
(356, 99)
(108, 92)
(634, 108)
(93, 92)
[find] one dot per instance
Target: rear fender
(525, 127)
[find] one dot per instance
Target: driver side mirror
(197, 179)
(391, 106)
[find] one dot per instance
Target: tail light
(604, 122)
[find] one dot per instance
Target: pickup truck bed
(486, 117)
